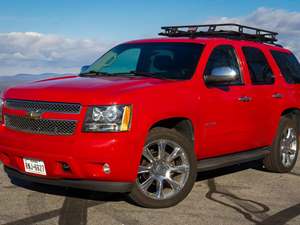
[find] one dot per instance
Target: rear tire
(167, 170)
(283, 156)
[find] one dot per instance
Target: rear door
(265, 93)
(227, 115)
(289, 72)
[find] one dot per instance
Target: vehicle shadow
(69, 192)
(229, 170)
(75, 206)
(254, 212)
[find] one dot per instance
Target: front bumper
(104, 186)
(85, 153)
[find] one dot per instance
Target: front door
(226, 108)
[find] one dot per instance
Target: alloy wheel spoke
(176, 153)
(290, 141)
(289, 150)
(161, 149)
(289, 131)
(174, 184)
(180, 168)
(284, 141)
(148, 155)
(283, 158)
(159, 188)
(288, 160)
(292, 151)
(144, 169)
(147, 183)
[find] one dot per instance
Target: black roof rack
(226, 30)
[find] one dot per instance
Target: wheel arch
(183, 125)
(291, 110)
(294, 111)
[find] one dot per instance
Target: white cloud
(31, 52)
(286, 23)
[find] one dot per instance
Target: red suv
(149, 114)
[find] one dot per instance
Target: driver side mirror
(221, 75)
(84, 68)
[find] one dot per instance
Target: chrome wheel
(288, 147)
(164, 169)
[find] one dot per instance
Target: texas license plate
(34, 166)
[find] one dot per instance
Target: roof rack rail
(226, 30)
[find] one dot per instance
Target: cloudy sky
(62, 35)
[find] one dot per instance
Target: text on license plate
(34, 166)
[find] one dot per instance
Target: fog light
(65, 167)
(106, 168)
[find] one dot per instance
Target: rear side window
(288, 65)
(258, 66)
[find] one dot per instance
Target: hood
(84, 90)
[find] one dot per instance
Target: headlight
(1, 106)
(113, 118)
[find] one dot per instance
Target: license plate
(34, 166)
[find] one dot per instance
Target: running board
(232, 159)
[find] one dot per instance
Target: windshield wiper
(142, 74)
(95, 73)
(130, 73)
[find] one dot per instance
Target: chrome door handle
(277, 95)
(245, 99)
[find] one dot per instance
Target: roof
(207, 40)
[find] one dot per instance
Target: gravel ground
(235, 195)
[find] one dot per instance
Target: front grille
(43, 106)
(40, 126)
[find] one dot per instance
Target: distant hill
(7, 81)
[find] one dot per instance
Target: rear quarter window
(289, 66)
(258, 66)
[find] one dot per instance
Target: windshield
(161, 60)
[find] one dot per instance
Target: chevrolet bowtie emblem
(35, 115)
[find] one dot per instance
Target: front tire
(283, 156)
(167, 170)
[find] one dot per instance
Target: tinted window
(165, 60)
(223, 56)
(288, 65)
(126, 61)
(259, 68)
